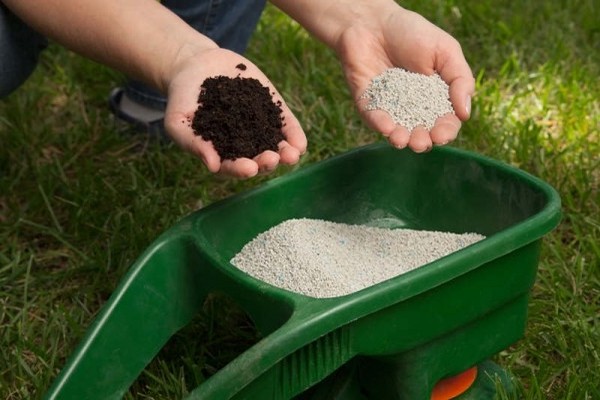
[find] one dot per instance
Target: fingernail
(468, 105)
(425, 150)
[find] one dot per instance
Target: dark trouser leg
(20, 47)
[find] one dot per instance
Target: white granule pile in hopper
(322, 259)
(411, 99)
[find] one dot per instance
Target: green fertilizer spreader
(426, 334)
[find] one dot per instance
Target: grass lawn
(80, 201)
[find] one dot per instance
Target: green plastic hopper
(394, 340)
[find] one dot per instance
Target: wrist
(181, 54)
(328, 20)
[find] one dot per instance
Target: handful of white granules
(327, 259)
(411, 99)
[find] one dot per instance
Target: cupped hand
(401, 38)
(183, 92)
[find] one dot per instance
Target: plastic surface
(453, 386)
(400, 336)
(344, 384)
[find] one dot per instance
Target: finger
(420, 141)
(377, 120)
(267, 161)
(206, 151)
(461, 92)
(445, 129)
(240, 168)
(292, 130)
(179, 129)
(399, 137)
(288, 154)
(455, 71)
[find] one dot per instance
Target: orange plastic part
(453, 386)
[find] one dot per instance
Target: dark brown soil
(238, 116)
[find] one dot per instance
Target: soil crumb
(238, 115)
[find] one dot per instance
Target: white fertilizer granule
(411, 99)
(327, 259)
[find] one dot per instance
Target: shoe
(140, 118)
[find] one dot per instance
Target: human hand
(183, 91)
(396, 37)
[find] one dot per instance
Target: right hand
(396, 37)
(183, 91)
